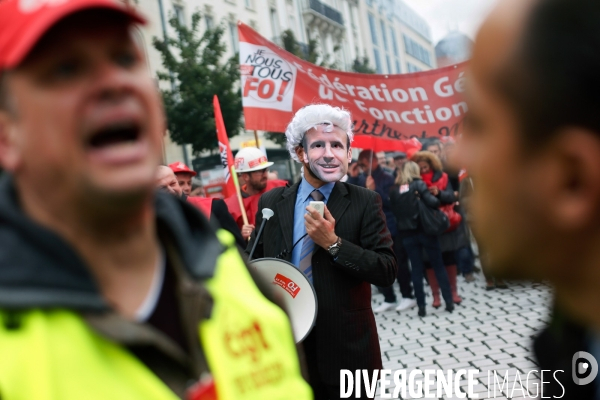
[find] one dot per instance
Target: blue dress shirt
(302, 201)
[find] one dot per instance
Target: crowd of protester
(430, 176)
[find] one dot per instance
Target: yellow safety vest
(55, 355)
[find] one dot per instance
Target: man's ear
(300, 153)
(349, 155)
(9, 151)
(572, 173)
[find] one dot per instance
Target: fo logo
(585, 368)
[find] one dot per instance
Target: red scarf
(427, 178)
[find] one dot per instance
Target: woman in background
(438, 183)
(405, 195)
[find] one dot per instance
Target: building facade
(387, 32)
(396, 39)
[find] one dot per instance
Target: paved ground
(488, 331)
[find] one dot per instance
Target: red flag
(224, 150)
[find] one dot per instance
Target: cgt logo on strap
(248, 341)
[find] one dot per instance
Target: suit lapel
(338, 201)
(285, 213)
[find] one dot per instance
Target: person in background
(213, 209)
(252, 167)
(465, 257)
(374, 177)
(438, 184)
(464, 196)
(434, 146)
(408, 190)
(390, 164)
(399, 161)
(184, 176)
(167, 181)
(382, 161)
(197, 188)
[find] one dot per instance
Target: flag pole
(256, 139)
(239, 194)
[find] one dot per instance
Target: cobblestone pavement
(490, 330)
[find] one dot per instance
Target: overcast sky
(444, 16)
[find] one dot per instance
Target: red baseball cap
(181, 167)
(24, 22)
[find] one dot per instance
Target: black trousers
(403, 277)
(321, 390)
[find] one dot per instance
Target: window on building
(398, 69)
(377, 61)
(384, 35)
(249, 4)
(412, 67)
(416, 50)
(209, 22)
(179, 14)
(394, 41)
(274, 22)
(373, 29)
(233, 33)
(389, 64)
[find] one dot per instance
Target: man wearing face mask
(343, 252)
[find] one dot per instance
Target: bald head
(167, 181)
(542, 58)
(498, 38)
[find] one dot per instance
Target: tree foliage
(197, 72)
(361, 65)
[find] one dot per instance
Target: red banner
(224, 150)
(387, 109)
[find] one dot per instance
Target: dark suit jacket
(346, 334)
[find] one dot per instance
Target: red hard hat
(24, 22)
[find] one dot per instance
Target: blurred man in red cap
(184, 176)
(108, 288)
(252, 166)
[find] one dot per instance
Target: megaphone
(294, 289)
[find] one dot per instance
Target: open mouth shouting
(119, 141)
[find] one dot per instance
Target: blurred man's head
(367, 161)
(184, 176)
(435, 147)
(399, 160)
(81, 121)
(532, 143)
(167, 181)
(197, 188)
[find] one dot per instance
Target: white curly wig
(310, 117)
